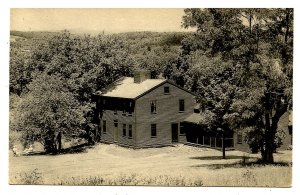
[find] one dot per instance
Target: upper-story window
(153, 107)
(181, 105)
(124, 112)
(167, 90)
(130, 109)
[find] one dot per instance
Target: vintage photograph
(151, 97)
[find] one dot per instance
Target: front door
(115, 131)
(174, 132)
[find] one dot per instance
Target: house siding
(240, 146)
(167, 112)
(108, 137)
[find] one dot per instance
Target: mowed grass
(168, 166)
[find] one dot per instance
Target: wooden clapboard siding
(109, 117)
(167, 113)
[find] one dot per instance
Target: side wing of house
(159, 114)
(117, 125)
(283, 132)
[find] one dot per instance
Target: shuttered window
(153, 107)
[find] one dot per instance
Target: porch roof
(195, 118)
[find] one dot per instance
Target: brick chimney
(141, 75)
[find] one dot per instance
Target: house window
(166, 90)
(129, 113)
(115, 112)
(181, 130)
(239, 138)
(104, 126)
(116, 123)
(129, 131)
(124, 112)
(124, 129)
(153, 107)
(153, 130)
(181, 105)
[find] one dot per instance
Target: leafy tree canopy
(239, 61)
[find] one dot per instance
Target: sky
(96, 20)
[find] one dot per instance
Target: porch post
(215, 142)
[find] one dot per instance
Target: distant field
(180, 165)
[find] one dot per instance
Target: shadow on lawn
(217, 157)
(242, 164)
(71, 150)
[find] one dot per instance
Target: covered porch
(200, 135)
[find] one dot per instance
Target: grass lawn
(172, 166)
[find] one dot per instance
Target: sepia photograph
(181, 97)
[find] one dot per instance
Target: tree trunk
(271, 129)
(267, 153)
(58, 139)
(49, 143)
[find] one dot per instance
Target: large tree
(47, 112)
(87, 64)
(254, 48)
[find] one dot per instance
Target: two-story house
(144, 112)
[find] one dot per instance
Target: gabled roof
(126, 88)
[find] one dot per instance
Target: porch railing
(214, 142)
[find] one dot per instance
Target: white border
(5, 6)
